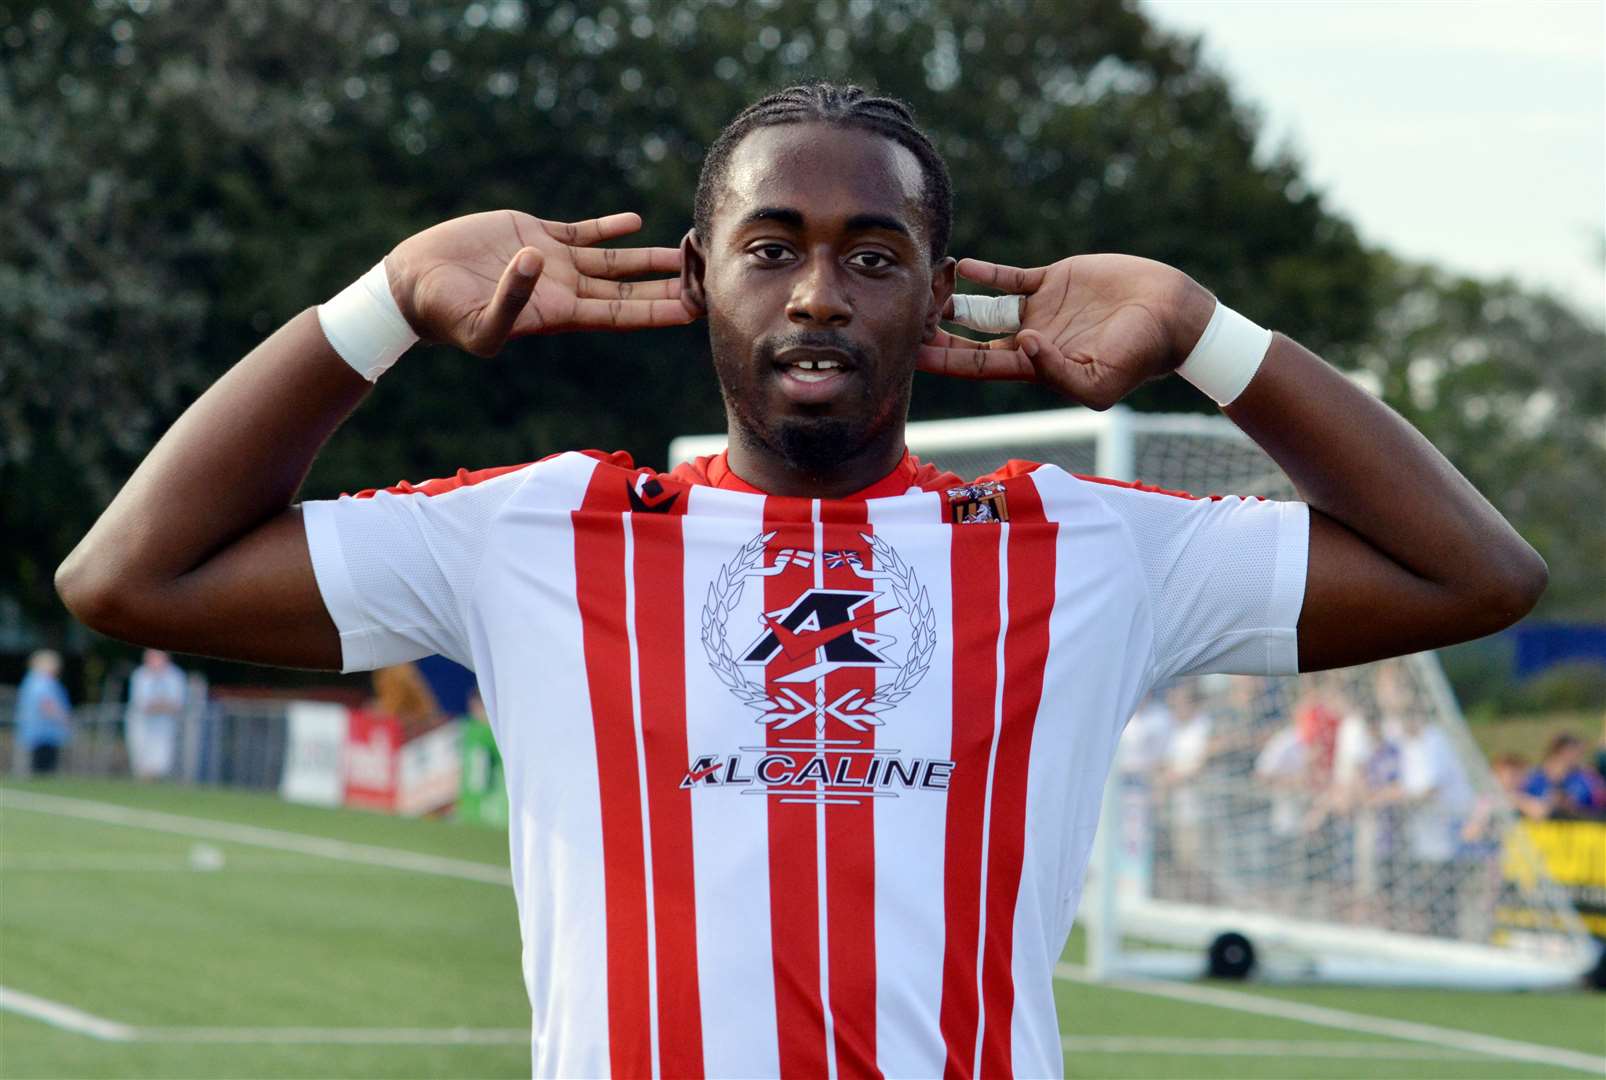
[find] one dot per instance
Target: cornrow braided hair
(842, 106)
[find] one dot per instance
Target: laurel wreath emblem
(725, 592)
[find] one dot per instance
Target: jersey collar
(896, 482)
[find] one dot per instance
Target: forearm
(232, 461)
(1451, 569)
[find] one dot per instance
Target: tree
(176, 184)
(1510, 385)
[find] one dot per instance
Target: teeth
(814, 370)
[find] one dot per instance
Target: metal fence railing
(234, 742)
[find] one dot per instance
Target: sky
(1470, 133)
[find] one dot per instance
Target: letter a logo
(822, 631)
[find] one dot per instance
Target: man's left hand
(1093, 327)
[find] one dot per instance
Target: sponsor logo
(648, 496)
(783, 670)
(848, 776)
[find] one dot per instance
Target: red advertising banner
(371, 767)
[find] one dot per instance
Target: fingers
(1076, 376)
(1011, 279)
(590, 314)
(593, 230)
(591, 288)
(942, 339)
(947, 354)
(626, 262)
(494, 322)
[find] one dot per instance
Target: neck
(771, 472)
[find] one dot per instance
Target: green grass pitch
(133, 925)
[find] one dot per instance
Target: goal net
(1341, 826)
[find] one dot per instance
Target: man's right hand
(203, 552)
(478, 280)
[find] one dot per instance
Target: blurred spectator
(1189, 747)
(1436, 797)
(1359, 735)
(1600, 750)
(1282, 768)
(401, 691)
(1144, 740)
(1355, 832)
(1184, 762)
(1511, 774)
(155, 698)
(42, 716)
(1393, 699)
(1481, 843)
(1138, 758)
(1316, 719)
(1245, 710)
(1561, 787)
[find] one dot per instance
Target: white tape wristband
(988, 314)
(365, 326)
(1227, 356)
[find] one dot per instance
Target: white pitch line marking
(1144, 1044)
(276, 839)
(62, 1016)
(79, 1022)
(1343, 1020)
(378, 1036)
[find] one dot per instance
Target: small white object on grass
(205, 857)
(988, 314)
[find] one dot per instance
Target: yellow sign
(1573, 852)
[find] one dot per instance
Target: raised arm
(1405, 554)
(203, 552)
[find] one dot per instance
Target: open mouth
(814, 363)
(813, 371)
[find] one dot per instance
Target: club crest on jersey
(981, 503)
(780, 666)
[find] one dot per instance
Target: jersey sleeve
(397, 567)
(1225, 578)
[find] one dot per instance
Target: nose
(819, 297)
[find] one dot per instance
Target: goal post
(1341, 826)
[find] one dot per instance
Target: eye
(870, 260)
(770, 253)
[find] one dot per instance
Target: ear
(692, 267)
(942, 292)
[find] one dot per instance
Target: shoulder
(561, 478)
(1062, 486)
(470, 478)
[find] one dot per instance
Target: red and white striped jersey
(804, 787)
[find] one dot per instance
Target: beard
(810, 445)
(815, 445)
